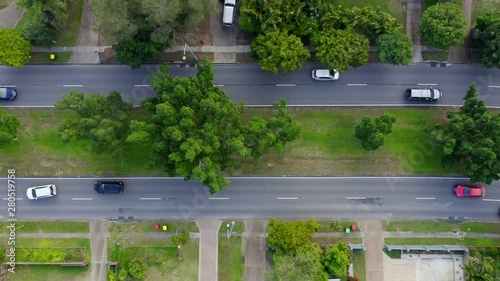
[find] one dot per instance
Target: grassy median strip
(326, 147)
(443, 241)
(47, 227)
(430, 226)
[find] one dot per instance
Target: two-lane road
(256, 198)
(372, 84)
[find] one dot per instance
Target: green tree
(286, 237)
(443, 25)
(103, 120)
(487, 33)
(277, 50)
(340, 49)
(480, 268)
(8, 127)
(395, 48)
(337, 259)
(180, 239)
(371, 132)
(471, 137)
(137, 268)
(44, 20)
(196, 131)
(15, 50)
(305, 265)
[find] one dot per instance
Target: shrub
(111, 275)
(180, 239)
(336, 226)
(122, 274)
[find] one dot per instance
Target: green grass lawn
(45, 57)
(239, 227)
(326, 147)
(47, 227)
(443, 241)
(481, 7)
(393, 7)
(56, 243)
(395, 254)
(48, 272)
(435, 56)
(5, 3)
(430, 226)
(325, 225)
(231, 264)
(335, 240)
(148, 226)
(358, 260)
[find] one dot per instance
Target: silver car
(43, 191)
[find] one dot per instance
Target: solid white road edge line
(287, 198)
(218, 198)
(355, 198)
(425, 198)
(495, 200)
(82, 199)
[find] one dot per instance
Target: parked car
(108, 187)
(7, 93)
(428, 94)
(325, 74)
(228, 13)
(466, 190)
(43, 191)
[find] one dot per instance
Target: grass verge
(443, 241)
(358, 260)
(45, 57)
(325, 225)
(435, 56)
(393, 254)
(429, 226)
(326, 147)
(56, 243)
(47, 227)
(231, 265)
(481, 7)
(239, 227)
(335, 240)
(148, 226)
(48, 272)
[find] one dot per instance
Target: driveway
(223, 36)
(254, 250)
(209, 249)
(99, 248)
(10, 16)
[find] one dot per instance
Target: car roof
(43, 190)
(4, 92)
(323, 73)
(475, 191)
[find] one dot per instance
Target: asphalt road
(256, 198)
(370, 85)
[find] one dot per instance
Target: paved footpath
(374, 243)
(209, 249)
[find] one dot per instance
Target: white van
(424, 94)
(228, 14)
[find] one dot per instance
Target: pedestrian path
(208, 259)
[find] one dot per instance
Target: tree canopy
(8, 127)
(277, 50)
(470, 138)
(138, 29)
(443, 25)
(197, 132)
(305, 265)
(337, 259)
(44, 20)
(340, 49)
(395, 48)
(487, 32)
(286, 237)
(15, 51)
(103, 120)
(371, 132)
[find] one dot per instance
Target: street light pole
(187, 46)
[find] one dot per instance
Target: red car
(465, 190)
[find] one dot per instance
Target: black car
(7, 93)
(108, 187)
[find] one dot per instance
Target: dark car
(108, 187)
(466, 190)
(7, 93)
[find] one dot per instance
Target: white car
(43, 191)
(325, 74)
